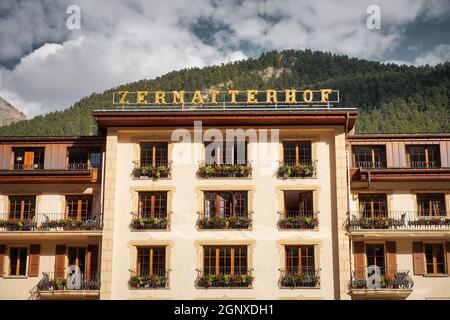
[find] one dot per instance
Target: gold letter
(141, 97)
(160, 97)
(233, 95)
(214, 94)
(197, 98)
(271, 96)
(178, 97)
(307, 96)
(123, 97)
(291, 96)
(251, 96)
(324, 95)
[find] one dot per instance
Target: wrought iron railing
(149, 280)
(52, 281)
(22, 166)
(239, 277)
(145, 221)
(298, 219)
(304, 278)
(292, 169)
(49, 222)
(237, 221)
(423, 164)
(398, 220)
(370, 164)
(159, 170)
(234, 170)
(379, 278)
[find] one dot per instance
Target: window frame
(429, 150)
(162, 211)
(434, 258)
(310, 253)
(18, 261)
(431, 212)
(237, 260)
(161, 261)
(149, 156)
(372, 211)
(304, 157)
(79, 211)
(372, 154)
(30, 214)
(217, 203)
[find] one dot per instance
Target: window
(225, 260)
(83, 158)
(77, 258)
(297, 152)
(226, 152)
(18, 261)
(373, 205)
(423, 156)
(28, 158)
(298, 203)
(431, 204)
(375, 256)
(151, 261)
(153, 204)
(434, 256)
(154, 154)
(369, 156)
(22, 207)
(300, 259)
(225, 204)
(79, 207)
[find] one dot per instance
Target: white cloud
(123, 41)
(439, 54)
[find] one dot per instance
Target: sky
(46, 65)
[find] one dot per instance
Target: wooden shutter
(91, 261)
(358, 250)
(33, 266)
(418, 258)
(2, 259)
(60, 261)
(391, 258)
(447, 255)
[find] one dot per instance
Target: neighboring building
(145, 211)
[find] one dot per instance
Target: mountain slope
(9, 114)
(378, 90)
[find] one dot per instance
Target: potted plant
(60, 283)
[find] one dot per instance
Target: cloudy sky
(44, 66)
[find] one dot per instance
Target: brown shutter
(2, 259)
(92, 261)
(391, 258)
(33, 267)
(60, 261)
(358, 250)
(418, 258)
(447, 246)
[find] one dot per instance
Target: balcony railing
(21, 166)
(367, 278)
(309, 278)
(146, 280)
(207, 170)
(423, 164)
(226, 278)
(298, 220)
(144, 221)
(398, 220)
(238, 221)
(370, 164)
(292, 169)
(40, 166)
(69, 281)
(49, 222)
(159, 170)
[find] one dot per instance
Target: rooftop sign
(289, 97)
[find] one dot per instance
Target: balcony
(70, 284)
(304, 169)
(236, 222)
(224, 279)
(206, 170)
(147, 280)
(154, 172)
(50, 222)
(38, 173)
(303, 279)
(365, 283)
(298, 220)
(423, 164)
(398, 220)
(144, 221)
(370, 164)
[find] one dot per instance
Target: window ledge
(440, 275)
(15, 277)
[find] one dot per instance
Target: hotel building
(155, 208)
